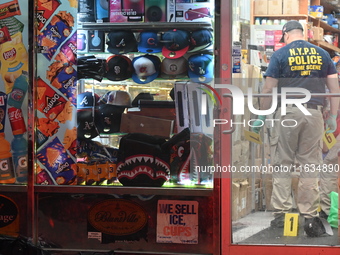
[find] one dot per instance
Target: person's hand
(331, 123)
(257, 125)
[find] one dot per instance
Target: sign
(252, 137)
(117, 217)
(177, 221)
(329, 139)
(9, 217)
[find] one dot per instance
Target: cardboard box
(155, 10)
(126, 11)
(194, 12)
(291, 7)
(274, 7)
(317, 33)
(242, 206)
(131, 123)
(96, 40)
(82, 41)
(260, 7)
(170, 10)
(235, 192)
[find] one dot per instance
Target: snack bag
(55, 33)
(44, 10)
(14, 60)
(58, 163)
(50, 102)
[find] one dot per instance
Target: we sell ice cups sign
(177, 221)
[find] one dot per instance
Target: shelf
(143, 25)
(285, 16)
(325, 45)
(13, 188)
(324, 25)
(119, 190)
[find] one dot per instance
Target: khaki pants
(303, 144)
(329, 179)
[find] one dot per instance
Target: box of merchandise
(316, 11)
(194, 12)
(126, 11)
(291, 7)
(260, 7)
(274, 7)
(317, 33)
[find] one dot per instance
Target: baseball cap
(87, 100)
(174, 68)
(290, 25)
(121, 41)
(119, 68)
(317, 227)
(201, 68)
(200, 39)
(116, 97)
(149, 42)
(146, 68)
(176, 43)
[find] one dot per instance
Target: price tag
(329, 139)
(252, 136)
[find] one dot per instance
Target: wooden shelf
(326, 45)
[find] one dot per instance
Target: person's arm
(270, 83)
(332, 83)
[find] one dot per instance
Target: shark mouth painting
(143, 170)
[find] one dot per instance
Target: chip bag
(14, 60)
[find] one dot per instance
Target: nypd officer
(303, 65)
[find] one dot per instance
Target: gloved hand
(331, 123)
(257, 125)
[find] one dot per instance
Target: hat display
(290, 25)
(174, 68)
(176, 43)
(146, 68)
(121, 41)
(149, 42)
(201, 68)
(200, 39)
(119, 68)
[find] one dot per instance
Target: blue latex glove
(331, 123)
(259, 123)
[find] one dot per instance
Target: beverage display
(17, 95)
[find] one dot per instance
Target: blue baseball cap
(146, 68)
(149, 42)
(200, 39)
(201, 68)
(176, 43)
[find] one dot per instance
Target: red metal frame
(225, 151)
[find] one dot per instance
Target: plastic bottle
(17, 95)
(7, 174)
(19, 152)
(18, 144)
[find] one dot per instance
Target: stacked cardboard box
(276, 7)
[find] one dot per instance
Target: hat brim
(147, 79)
(174, 54)
(199, 48)
(282, 40)
(149, 50)
(127, 49)
(173, 76)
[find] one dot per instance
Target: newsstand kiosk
(116, 127)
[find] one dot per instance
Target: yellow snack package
(14, 60)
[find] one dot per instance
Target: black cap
(121, 41)
(290, 25)
(119, 68)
